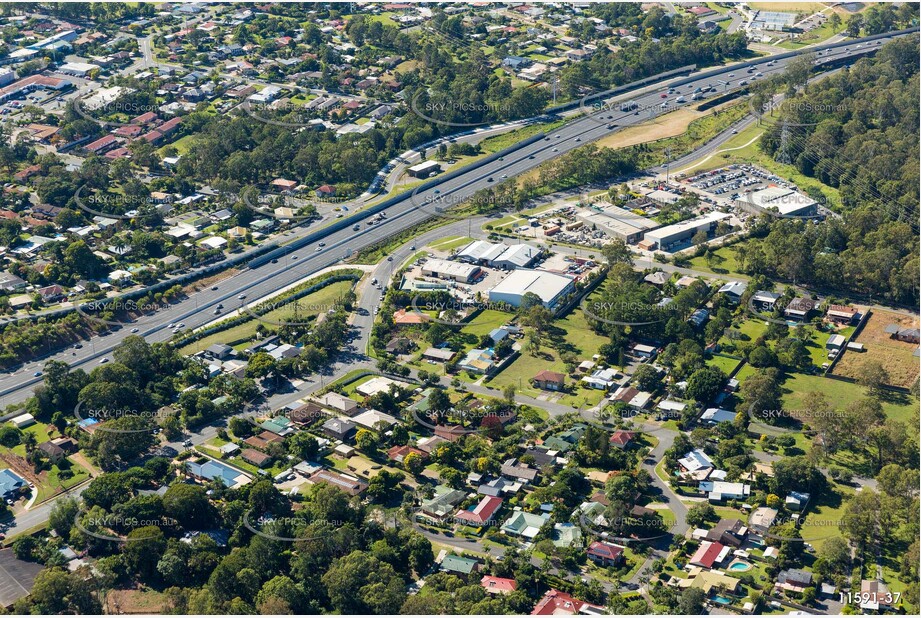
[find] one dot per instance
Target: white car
(103, 360)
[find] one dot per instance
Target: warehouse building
(507, 257)
(665, 237)
(516, 256)
(445, 269)
(781, 201)
(617, 223)
(551, 288)
(480, 252)
(78, 69)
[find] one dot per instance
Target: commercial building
(782, 201)
(498, 255)
(77, 69)
(665, 237)
(424, 169)
(480, 252)
(617, 223)
(549, 287)
(446, 269)
(33, 82)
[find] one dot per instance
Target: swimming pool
(739, 566)
(722, 600)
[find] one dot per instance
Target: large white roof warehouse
(549, 287)
(779, 199)
(498, 255)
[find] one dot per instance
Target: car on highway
(664, 95)
(556, 150)
(318, 249)
(489, 179)
(180, 325)
(275, 261)
(217, 311)
(241, 297)
(322, 244)
(77, 346)
(214, 288)
(103, 360)
(37, 374)
(504, 176)
(293, 257)
(134, 330)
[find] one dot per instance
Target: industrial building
(617, 223)
(669, 235)
(445, 269)
(782, 201)
(551, 288)
(498, 255)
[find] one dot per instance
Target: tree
(280, 595)
(359, 583)
(617, 252)
(62, 515)
(366, 440)
(691, 602)
(704, 384)
(143, 549)
(647, 378)
(414, 463)
(796, 474)
(873, 376)
(187, 504)
(701, 514)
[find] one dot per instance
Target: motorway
(197, 309)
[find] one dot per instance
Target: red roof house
(621, 438)
(556, 602)
(481, 514)
(498, 585)
(605, 554)
(708, 554)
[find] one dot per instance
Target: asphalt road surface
(198, 308)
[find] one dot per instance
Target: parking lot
(734, 181)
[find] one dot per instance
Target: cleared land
(897, 357)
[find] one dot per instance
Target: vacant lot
(841, 394)
(896, 356)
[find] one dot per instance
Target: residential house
(794, 580)
(211, 470)
(10, 484)
(734, 291)
(556, 603)
(622, 439)
(339, 403)
(799, 308)
(52, 451)
(257, 458)
(709, 554)
(498, 585)
(762, 519)
(730, 532)
(349, 484)
(605, 554)
(399, 453)
(443, 503)
(763, 300)
(518, 471)
(481, 514)
(549, 380)
(841, 314)
(719, 491)
(524, 525)
(875, 596)
(714, 416)
(459, 565)
(340, 429)
(796, 501)
(910, 335)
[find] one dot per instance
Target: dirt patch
(209, 281)
(135, 602)
(20, 466)
(897, 357)
(668, 125)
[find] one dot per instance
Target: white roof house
(373, 419)
(695, 460)
(717, 415)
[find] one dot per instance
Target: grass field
(840, 394)
(242, 334)
(724, 363)
(897, 357)
(725, 261)
(571, 333)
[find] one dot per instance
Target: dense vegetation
(865, 146)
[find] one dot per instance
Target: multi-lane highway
(260, 281)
